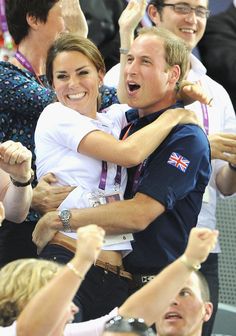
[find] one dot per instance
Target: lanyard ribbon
(205, 114)
(26, 64)
(23, 61)
(103, 177)
(3, 16)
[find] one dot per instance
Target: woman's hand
(191, 92)
(89, 242)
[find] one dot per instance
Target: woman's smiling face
(76, 82)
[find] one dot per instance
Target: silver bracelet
(74, 270)
(190, 266)
(124, 51)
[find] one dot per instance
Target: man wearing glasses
(188, 19)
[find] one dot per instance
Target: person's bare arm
(75, 21)
(137, 147)
(128, 21)
(15, 162)
(151, 300)
(115, 218)
(52, 301)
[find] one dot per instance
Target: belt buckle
(146, 278)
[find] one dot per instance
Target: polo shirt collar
(153, 116)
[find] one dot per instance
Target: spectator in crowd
(24, 92)
(188, 20)
(22, 279)
(15, 180)
(217, 49)
(148, 303)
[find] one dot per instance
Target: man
(188, 311)
(188, 20)
(166, 190)
(218, 43)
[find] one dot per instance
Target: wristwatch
(65, 216)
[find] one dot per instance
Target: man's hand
(44, 231)
(15, 159)
(132, 15)
(200, 243)
(223, 146)
(89, 242)
(47, 197)
(73, 15)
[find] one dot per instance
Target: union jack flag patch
(178, 161)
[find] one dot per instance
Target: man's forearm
(115, 218)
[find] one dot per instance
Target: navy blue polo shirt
(175, 175)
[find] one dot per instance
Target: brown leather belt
(70, 244)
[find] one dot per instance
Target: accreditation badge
(98, 198)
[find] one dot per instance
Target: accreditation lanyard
(26, 64)
(3, 16)
(205, 114)
(103, 177)
(142, 165)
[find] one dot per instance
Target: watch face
(64, 215)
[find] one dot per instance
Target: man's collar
(151, 117)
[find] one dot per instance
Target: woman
(71, 138)
(15, 180)
(21, 280)
(24, 92)
(25, 299)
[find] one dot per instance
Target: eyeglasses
(184, 8)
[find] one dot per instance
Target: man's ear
(208, 311)
(174, 74)
(154, 15)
